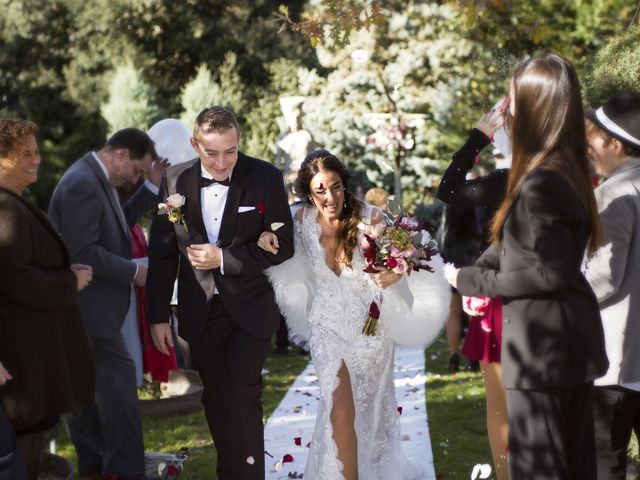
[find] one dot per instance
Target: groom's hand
(204, 256)
(162, 337)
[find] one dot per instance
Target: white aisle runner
(294, 419)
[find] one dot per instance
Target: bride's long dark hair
(320, 160)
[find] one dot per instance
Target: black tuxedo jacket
(552, 333)
(244, 290)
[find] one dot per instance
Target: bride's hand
(385, 278)
(268, 241)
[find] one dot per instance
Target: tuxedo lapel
(189, 185)
(230, 215)
(109, 192)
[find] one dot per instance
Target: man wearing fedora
(613, 132)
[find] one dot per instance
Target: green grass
(455, 406)
(170, 434)
(457, 418)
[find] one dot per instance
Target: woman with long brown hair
(325, 296)
(552, 346)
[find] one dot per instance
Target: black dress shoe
(474, 365)
(454, 363)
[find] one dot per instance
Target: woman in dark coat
(43, 342)
(553, 343)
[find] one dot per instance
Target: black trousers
(108, 434)
(282, 334)
(11, 464)
(551, 434)
(230, 363)
(616, 413)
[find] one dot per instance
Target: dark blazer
(86, 212)
(552, 333)
(43, 342)
(244, 290)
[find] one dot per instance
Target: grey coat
(85, 210)
(614, 272)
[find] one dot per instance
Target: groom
(226, 306)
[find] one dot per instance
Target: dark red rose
(260, 207)
(374, 311)
(288, 458)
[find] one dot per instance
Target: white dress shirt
(212, 202)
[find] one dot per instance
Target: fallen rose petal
(288, 458)
(171, 470)
(308, 445)
(278, 466)
(298, 441)
(399, 410)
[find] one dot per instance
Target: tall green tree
(392, 101)
(131, 101)
(616, 67)
(36, 39)
(203, 90)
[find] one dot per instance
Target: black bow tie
(205, 182)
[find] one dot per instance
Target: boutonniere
(172, 208)
(261, 208)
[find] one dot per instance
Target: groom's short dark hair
(215, 119)
(136, 141)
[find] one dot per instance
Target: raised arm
(454, 187)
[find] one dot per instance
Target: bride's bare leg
(497, 423)
(343, 415)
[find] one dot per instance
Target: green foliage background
(440, 62)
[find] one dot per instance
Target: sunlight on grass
(455, 406)
(456, 410)
(169, 435)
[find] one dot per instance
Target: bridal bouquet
(401, 246)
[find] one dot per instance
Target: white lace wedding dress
(328, 312)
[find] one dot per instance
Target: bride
(325, 296)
